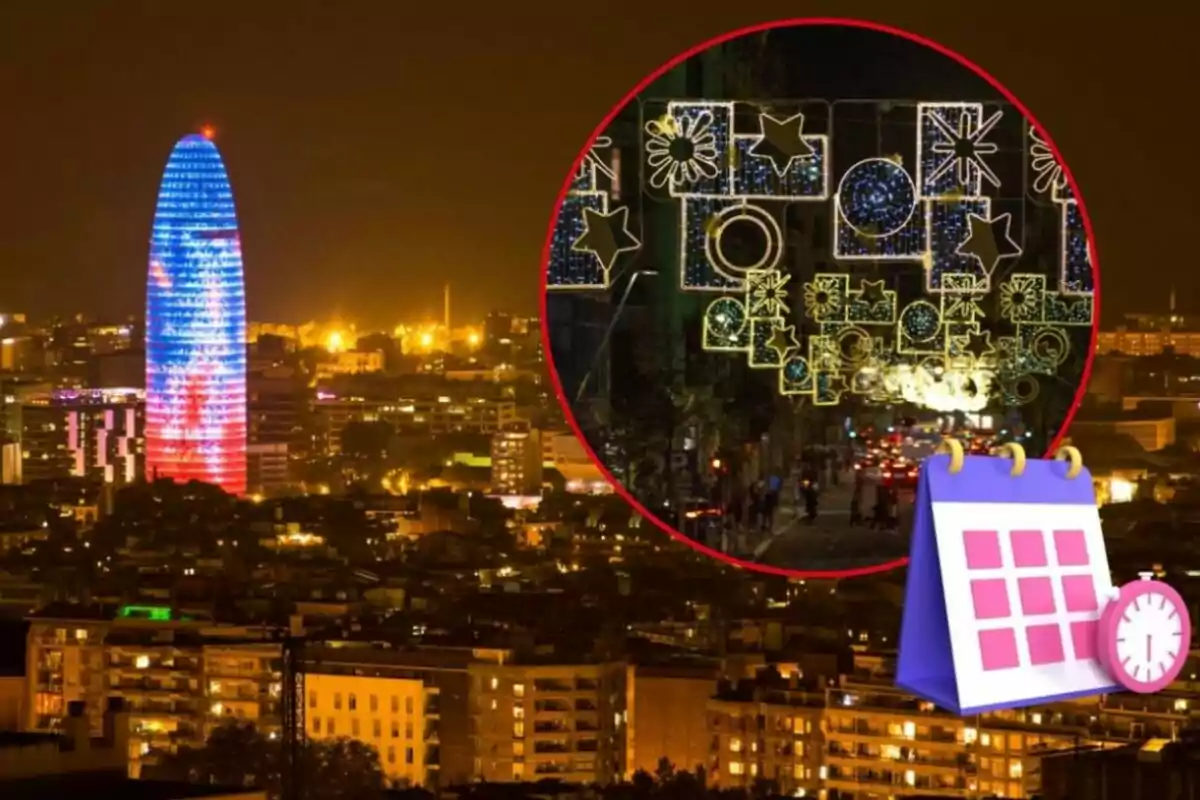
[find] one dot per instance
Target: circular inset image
(788, 264)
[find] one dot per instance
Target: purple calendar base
(944, 694)
(925, 663)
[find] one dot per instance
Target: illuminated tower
(196, 324)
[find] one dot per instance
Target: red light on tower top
(208, 132)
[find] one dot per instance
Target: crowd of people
(749, 513)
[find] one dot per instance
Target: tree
(238, 755)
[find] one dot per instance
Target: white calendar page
(1024, 587)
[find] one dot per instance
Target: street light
(608, 333)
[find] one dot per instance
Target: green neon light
(156, 613)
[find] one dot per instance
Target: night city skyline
(335, 155)
(818, 475)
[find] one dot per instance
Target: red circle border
(632, 96)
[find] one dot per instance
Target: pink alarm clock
(1144, 633)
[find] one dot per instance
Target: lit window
(970, 735)
(518, 690)
(910, 730)
(142, 662)
(1181, 705)
(735, 745)
(495, 683)
(736, 768)
(518, 730)
(910, 777)
(1014, 769)
(823, 772)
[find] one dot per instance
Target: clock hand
(1148, 656)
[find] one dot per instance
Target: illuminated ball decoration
(920, 321)
(196, 325)
(876, 197)
(726, 321)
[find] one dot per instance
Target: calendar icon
(1007, 580)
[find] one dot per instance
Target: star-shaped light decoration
(766, 292)
(989, 240)
(872, 293)
(965, 148)
(783, 341)
(606, 235)
(978, 344)
(781, 142)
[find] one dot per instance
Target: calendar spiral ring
(953, 448)
(1016, 453)
(1072, 457)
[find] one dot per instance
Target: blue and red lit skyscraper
(196, 324)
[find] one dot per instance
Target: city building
(398, 716)
(517, 462)
(567, 454)
(350, 362)
(178, 676)
(93, 433)
(534, 722)
(196, 325)
(420, 719)
(668, 717)
(425, 415)
(1152, 768)
(74, 762)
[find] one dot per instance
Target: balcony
(551, 726)
(551, 707)
(553, 686)
(551, 746)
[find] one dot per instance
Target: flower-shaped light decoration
(822, 298)
(1019, 297)
(1048, 173)
(682, 150)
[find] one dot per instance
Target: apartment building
(773, 733)
(410, 704)
(178, 677)
(869, 741)
(534, 722)
(397, 716)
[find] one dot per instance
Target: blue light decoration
(877, 197)
(878, 215)
(196, 324)
(806, 179)
(948, 229)
(570, 268)
(1077, 274)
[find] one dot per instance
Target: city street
(830, 542)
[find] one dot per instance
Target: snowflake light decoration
(682, 149)
(966, 147)
(767, 293)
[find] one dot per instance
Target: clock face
(1148, 635)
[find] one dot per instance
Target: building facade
(96, 434)
(196, 325)
(535, 722)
